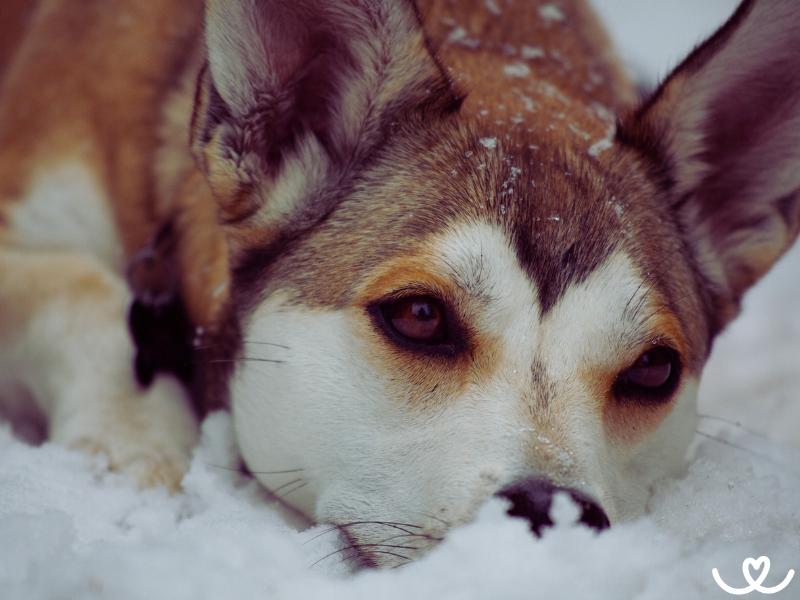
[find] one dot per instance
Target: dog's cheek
(304, 401)
(659, 455)
(311, 410)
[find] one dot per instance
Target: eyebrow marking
(632, 310)
(659, 324)
(472, 277)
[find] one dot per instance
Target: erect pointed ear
(295, 99)
(723, 132)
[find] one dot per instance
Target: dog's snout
(532, 499)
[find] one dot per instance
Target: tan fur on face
(631, 422)
(426, 382)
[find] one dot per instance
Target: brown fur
(578, 63)
(14, 17)
(53, 96)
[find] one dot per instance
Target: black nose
(531, 499)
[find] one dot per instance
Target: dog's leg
(180, 284)
(64, 338)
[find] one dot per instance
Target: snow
(759, 358)
(532, 52)
(599, 147)
(70, 529)
(489, 143)
(460, 36)
(517, 70)
(551, 12)
(492, 7)
(653, 35)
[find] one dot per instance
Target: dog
(427, 253)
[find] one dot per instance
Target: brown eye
(654, 374)
(418, 319)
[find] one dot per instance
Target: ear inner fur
(300, 103)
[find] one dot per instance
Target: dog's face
(431, 313)
(441, 337)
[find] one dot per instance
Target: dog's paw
(148, 435)
(148, 467)
(156, 471)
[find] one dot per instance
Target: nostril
(532, 499)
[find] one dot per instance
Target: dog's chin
(384, 544)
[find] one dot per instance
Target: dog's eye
(654, 375)
(419, 319)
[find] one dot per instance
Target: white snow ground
(68, 529)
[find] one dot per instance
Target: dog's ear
(297, 96)
(723, 134)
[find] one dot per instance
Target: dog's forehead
(566, 218)
(563, 220)
(555, 208)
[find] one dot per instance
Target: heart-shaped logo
(750, 566)
(761, 567)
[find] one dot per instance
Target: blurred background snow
(68, 529)
(652, 36)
